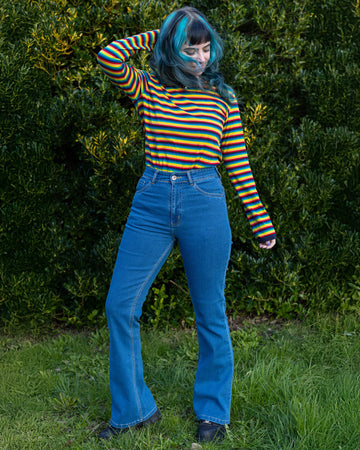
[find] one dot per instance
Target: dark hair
(188, 25)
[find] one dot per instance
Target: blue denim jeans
(188, 207)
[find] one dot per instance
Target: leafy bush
(72, 151)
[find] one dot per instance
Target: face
(199, 53)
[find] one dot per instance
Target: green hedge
(72, 150)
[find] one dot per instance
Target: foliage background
(72, 151)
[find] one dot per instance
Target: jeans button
(173, 177)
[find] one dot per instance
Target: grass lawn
(296, 386)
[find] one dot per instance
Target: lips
(200, 67)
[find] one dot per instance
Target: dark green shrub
(72, 151)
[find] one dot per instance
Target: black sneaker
(111, 431)
(210, 431)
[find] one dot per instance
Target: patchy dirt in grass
(237, 322)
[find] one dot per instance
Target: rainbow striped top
(186, 128)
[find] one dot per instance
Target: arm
(112, 60)
(237, 165)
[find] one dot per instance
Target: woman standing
(192, 123)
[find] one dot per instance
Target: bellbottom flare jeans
(188, 207)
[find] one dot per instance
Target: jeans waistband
(181, 175)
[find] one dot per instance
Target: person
(192, 123)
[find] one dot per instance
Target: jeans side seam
(230, 349)
(132, 320)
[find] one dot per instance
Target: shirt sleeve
(237, 164)
(112, 60)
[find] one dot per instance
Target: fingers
(268, 244)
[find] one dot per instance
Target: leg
(140, 257)
(205, 247)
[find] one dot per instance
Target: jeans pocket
(211, 187)
(143, 185)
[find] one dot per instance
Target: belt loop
(188, 173)
(218, 172)
(154, 177)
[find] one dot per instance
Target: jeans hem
(135, 422)
(214, 419)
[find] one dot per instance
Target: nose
(201, 57)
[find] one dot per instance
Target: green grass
(296, 386)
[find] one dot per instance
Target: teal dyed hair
(171, 66)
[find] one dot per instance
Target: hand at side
(268, 244)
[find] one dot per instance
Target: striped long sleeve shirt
(186, 128)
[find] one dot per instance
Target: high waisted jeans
(188, 207)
